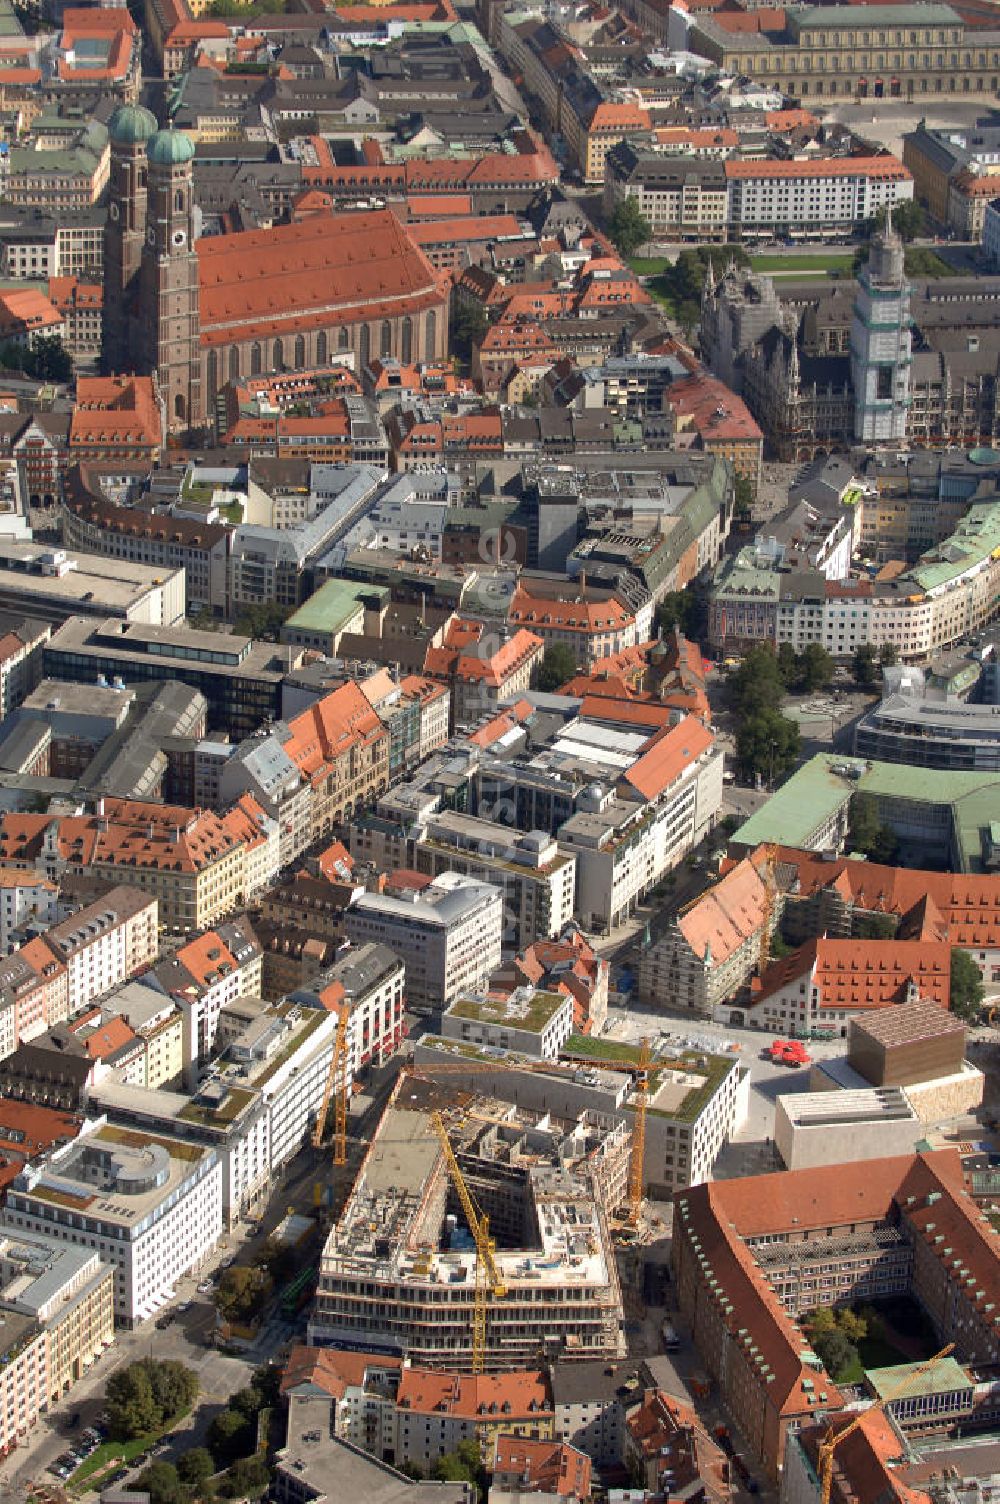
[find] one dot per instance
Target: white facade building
(104, 944)
(624, 847)
(448, 935)
(151, 1208)
(537, 879)
(836, 193)
(205, 974)
(24, 896)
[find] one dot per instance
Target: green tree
(243, 1292)
(874, 927)
(744, 497)
(887, 654)
(267, 1381)
(195, 1467)
(886, 848)
(558, 665)
(757, 683)
(247, 1402)
(836, 1352)
(130, 1404)
(864, 667)
(819, 1321)
(788, 664)
(673, 611)
(230, 1436)
(688, 316)
(464, 1465)
(966, 986)
(160, 1480)
(815, 668)
(908, 219)
(50, 361)
(247, 1478)
(263, 620)
(468, 327)
(767, 743)
(629, 228)
(174, 1386)
(853, 1325)
(863, 824)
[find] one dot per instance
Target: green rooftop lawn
(534, 1017)
(587, 1047)
(227, 1113)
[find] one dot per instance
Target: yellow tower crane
(767, 919)
(338, 1063)
(489, 1281)
(637, 1158)
(831, 1441)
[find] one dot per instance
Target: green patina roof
(944, 1378)
(975, 538)
(808, 800)
(332, 606)
(170, 148)
(815, 793)
(131, 124)
(742, 578)
(829, 17)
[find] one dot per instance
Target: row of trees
(148, 1396)
(867, 665)
(836, 1337)
(44, 360)
(767, 743)
(230, 1466)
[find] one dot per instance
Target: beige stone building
(57, 1305)
(859, 52)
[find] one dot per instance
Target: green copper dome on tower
(131, 124)
(170, 148)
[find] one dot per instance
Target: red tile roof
(551, 1467)
(514, 1396)
(885, 168)
(856, 975)
(728, 914)
(361, 265)
(673, 751)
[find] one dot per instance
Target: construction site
(478, 1234)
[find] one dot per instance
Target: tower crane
(488, 1279)
(637, 1157)
(831, 1441)
(338, 1063)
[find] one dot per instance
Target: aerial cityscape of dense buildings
(500, 752)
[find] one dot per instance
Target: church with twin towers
(201, 311)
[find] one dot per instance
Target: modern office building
(149, 1207)
(449, 935)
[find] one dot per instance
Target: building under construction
(399, 1270)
